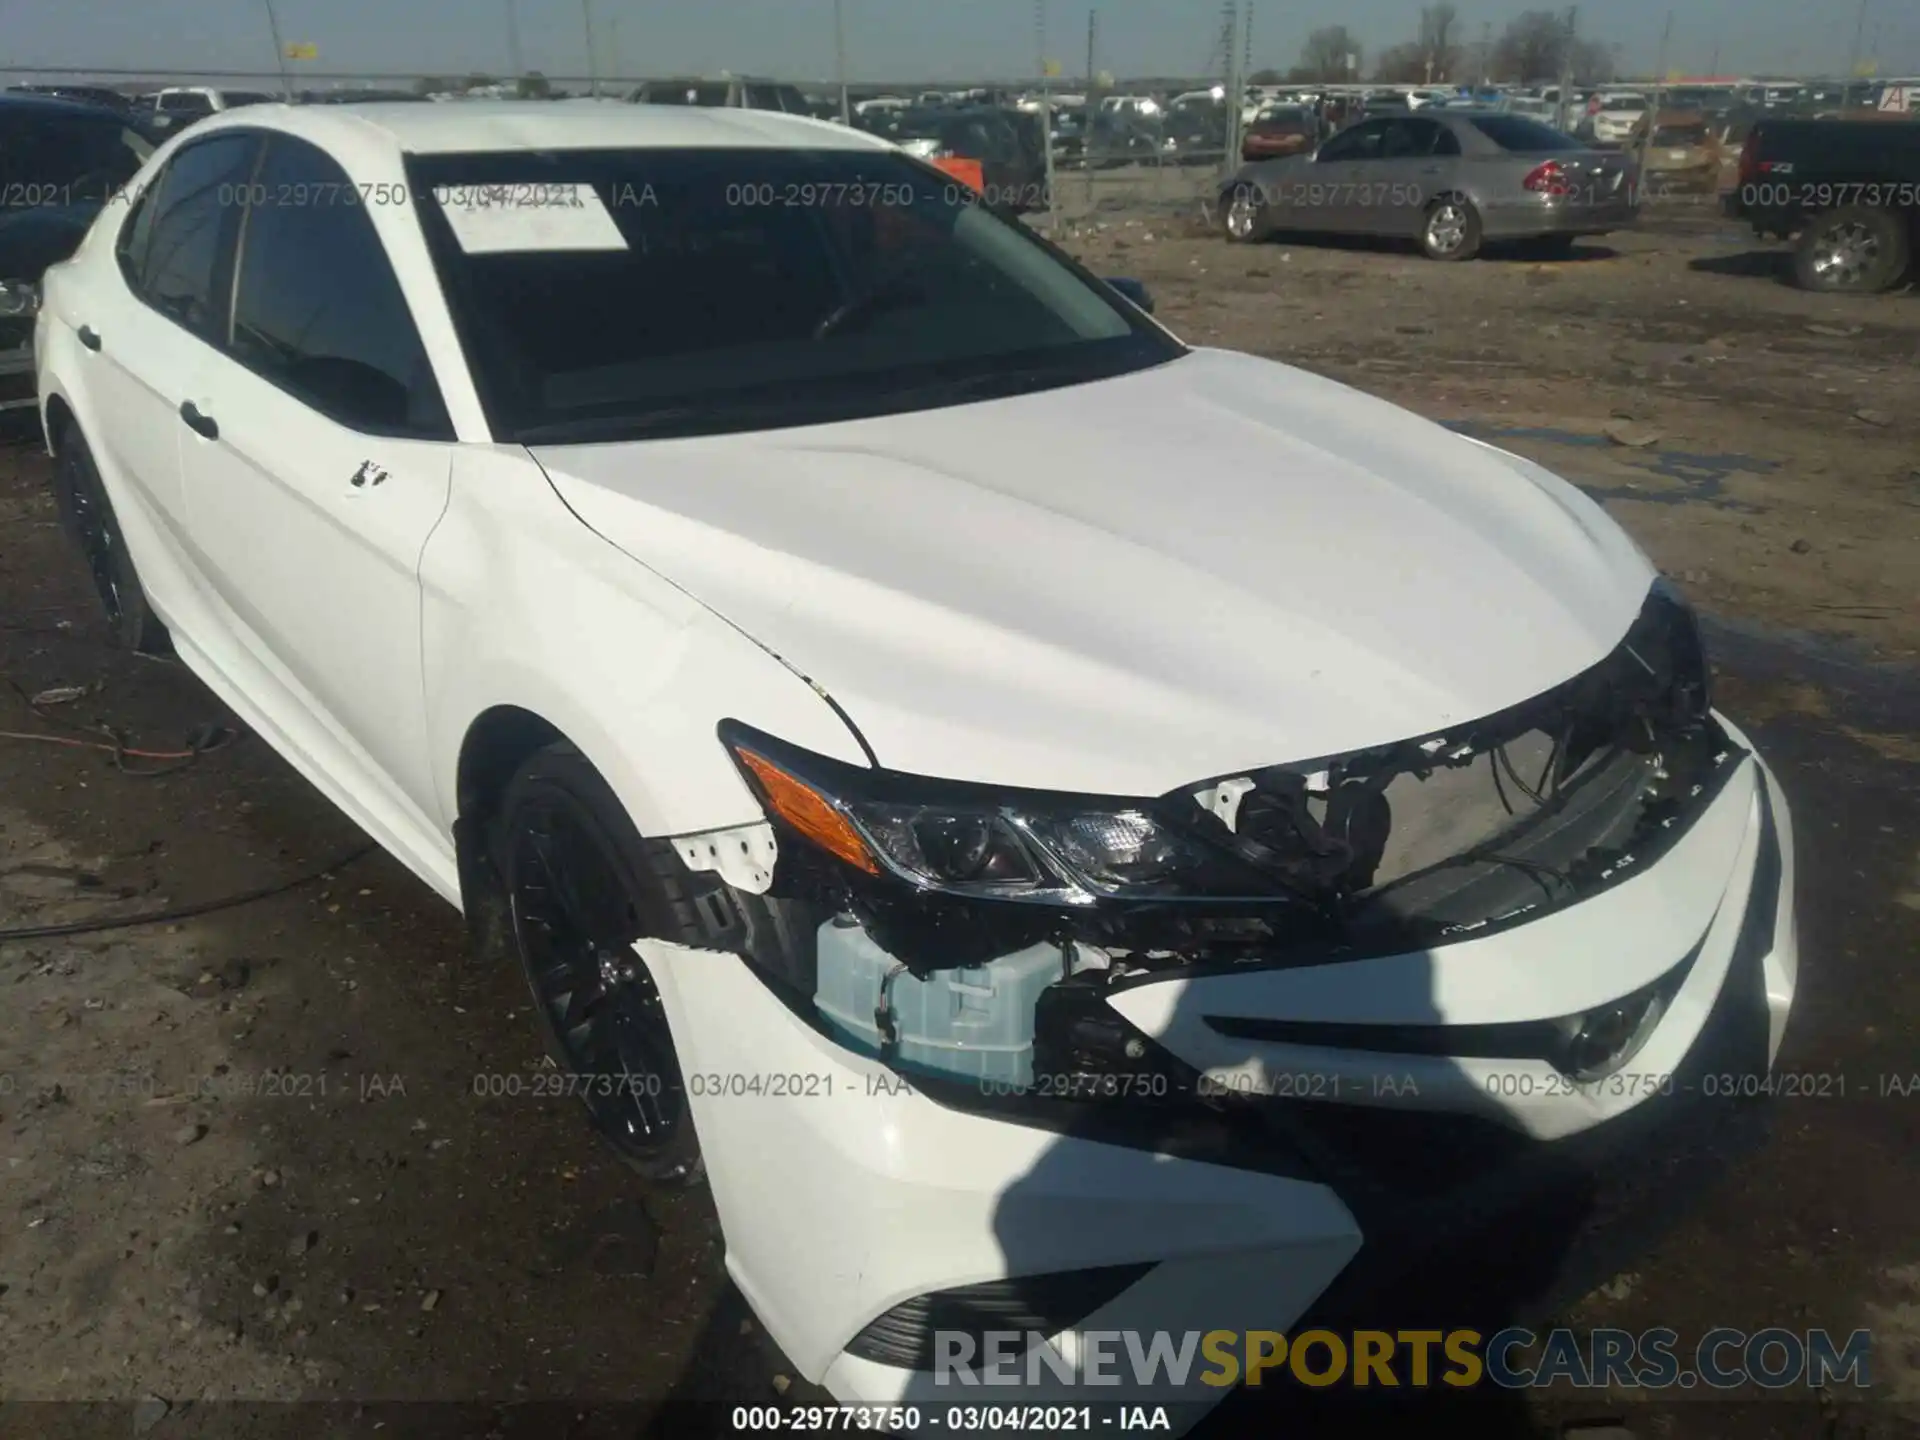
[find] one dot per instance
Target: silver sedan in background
(1450, 180)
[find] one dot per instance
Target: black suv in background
(60, 162)
(1847, 190)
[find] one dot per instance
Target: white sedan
(1059, 827)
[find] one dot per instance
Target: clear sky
(937, 39)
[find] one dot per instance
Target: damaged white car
(1064, 829)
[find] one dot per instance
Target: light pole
(593, 70)
(514, 58)
(279, 51)
(840, 62)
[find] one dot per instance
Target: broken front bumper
(854, 1206)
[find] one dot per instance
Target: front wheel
(1857, 249)
(1451, 229)
(580, 891)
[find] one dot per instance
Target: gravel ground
(246, 1158)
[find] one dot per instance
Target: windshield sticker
(506, 219)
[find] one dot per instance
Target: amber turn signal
(809, 813)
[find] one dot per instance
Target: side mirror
(1133, 290)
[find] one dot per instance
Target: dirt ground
(249, 1157)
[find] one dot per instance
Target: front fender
(525, 606)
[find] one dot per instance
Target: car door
(146, 339)
(316, 465)
(1323, 196)
(1418, 158)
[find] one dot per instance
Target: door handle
(89, 337)
(200, 423)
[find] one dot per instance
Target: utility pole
(279, 51)
(593, 67)
(1046, 110)
(1853, 56)
(515, 59)
(840, 62)
(1236, 79)
(1659, 98)
(1566, 69)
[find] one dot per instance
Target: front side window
(191, 230)
(317, 308)
(725, 290)
(1361, 142)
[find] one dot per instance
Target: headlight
(19, 297)
(1035, 846)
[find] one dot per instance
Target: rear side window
(317, 308)
(1524, 136)
(191, 232)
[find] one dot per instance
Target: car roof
(508, 125)
(25, 101)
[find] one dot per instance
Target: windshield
(699, 291)
(1524, 136)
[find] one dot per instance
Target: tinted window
(186, 103)
(1406, 139)
(1361, 142)
(1524, 136)
(1680, 135)
(193, 221)
(135, 231)
(1445, 142)
(58, 160)
(248, 97)
(763, 97)
(317, 309)
(878, 289)
(794, 103)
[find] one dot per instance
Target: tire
(1855, 250)
(1244, 216)
(1458, 227)
(87, 516)
(581, 884)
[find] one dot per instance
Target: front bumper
(844, 1194)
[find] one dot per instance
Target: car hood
(32, 238)
(1132, 584)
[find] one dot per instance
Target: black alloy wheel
(575, 907)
